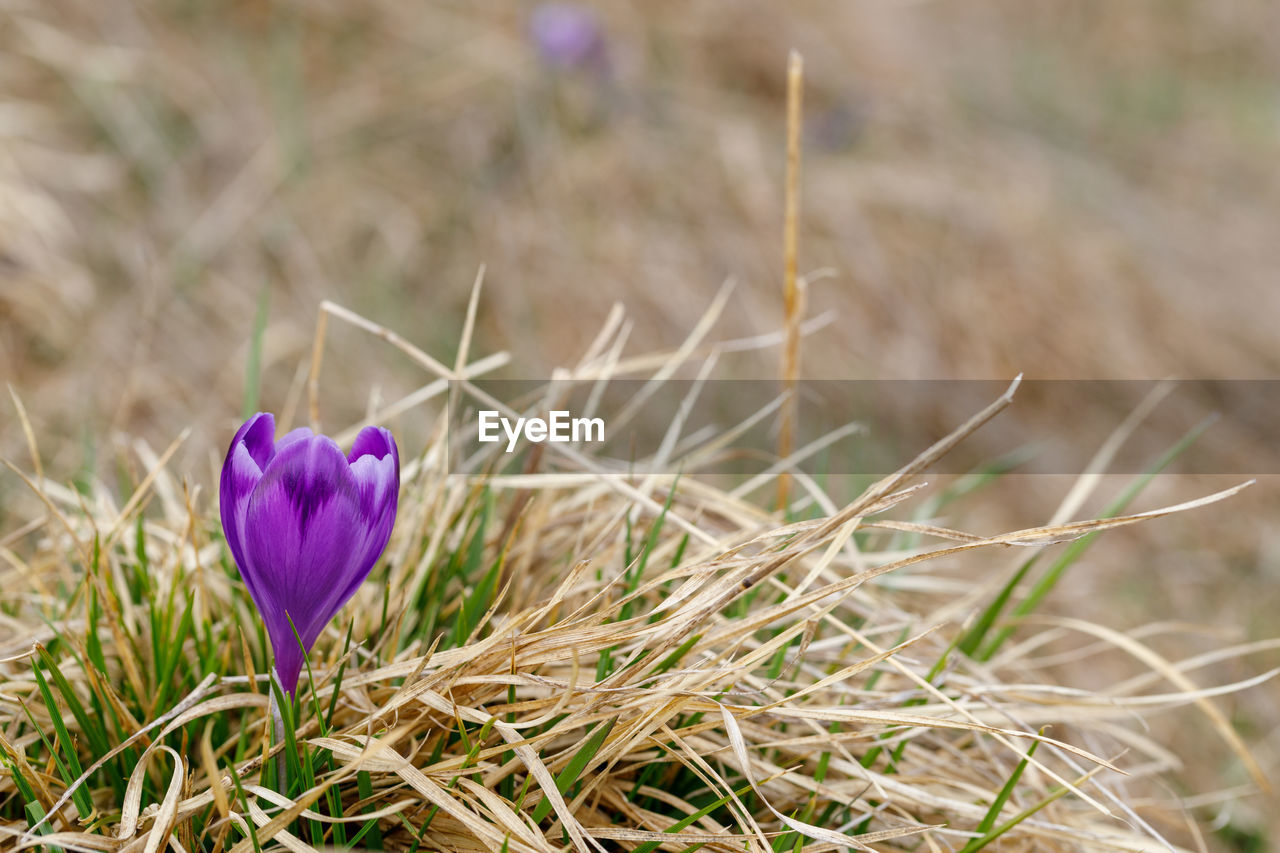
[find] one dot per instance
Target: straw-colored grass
(551, 661)
(1074, 190)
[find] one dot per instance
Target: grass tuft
(547, 661)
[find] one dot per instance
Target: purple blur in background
(305, 525)
(568, 35)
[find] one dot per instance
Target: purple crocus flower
(568, 35)
(305, 524)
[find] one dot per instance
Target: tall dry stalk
(793, 291)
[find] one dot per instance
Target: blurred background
(1076, 190)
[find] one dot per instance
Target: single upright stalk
(793, 291)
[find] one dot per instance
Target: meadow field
(352, 213)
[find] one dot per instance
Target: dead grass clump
(556, 661)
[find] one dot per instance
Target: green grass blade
(69, 769)
(311, 679)
(31, 804)
(636, 573)
(989, 819)
(688, 820)
(973, 638)
(244, 799)
(979, 843)
(472, 751)
(477, 603)
(676, 656)
(93, 645)
(572, 770)
(95, 734)
(337, 682)
(1041, 589)
(365, 786)
(172, 653)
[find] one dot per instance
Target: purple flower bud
(569, 36)
(305, 525)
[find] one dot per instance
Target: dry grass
(1081, 190)
(581, 661)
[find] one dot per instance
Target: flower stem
(277, 734)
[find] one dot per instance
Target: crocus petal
(291, 436)
(301, 525)
(250, 451)
(375, 467)
(258, 435)
(375, 463)
(378, 484)
(376, 442)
